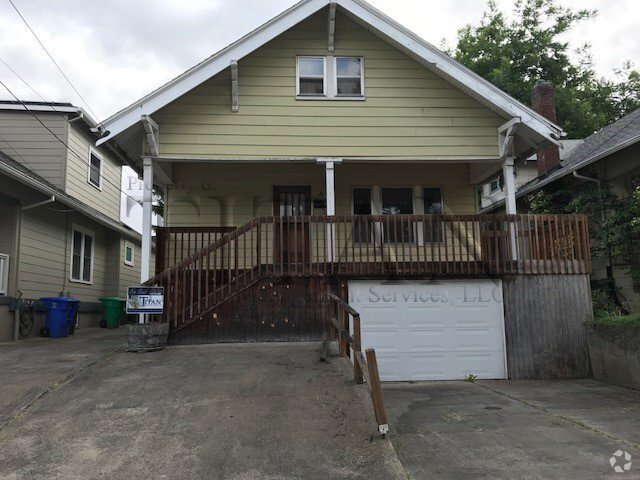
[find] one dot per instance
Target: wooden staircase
(200, 284)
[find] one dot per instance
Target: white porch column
(329, 164)
(331, 187)
(147, 208)
(508, 172)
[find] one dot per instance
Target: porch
(202, 268)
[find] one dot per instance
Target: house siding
(408, 111)
(7, 222)
(9, 215)
(106, 200)
(45, 256)
(130, 275)
(24, 139)
(224, 195)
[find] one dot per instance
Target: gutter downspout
(603, 216)
(586, 179)
(39, 204)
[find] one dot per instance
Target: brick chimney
(543, 101)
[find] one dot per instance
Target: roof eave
(526, 189)
(200, 73)
(67, 200)
(432, 58)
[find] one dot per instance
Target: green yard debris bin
(112, 309)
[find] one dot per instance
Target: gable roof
(607, 141)
(26, 176)
(372, 19)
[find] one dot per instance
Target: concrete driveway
(507, 430)
(83, 408)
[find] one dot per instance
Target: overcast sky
(119, 50)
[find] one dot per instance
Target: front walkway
(252, 411)
(508, 429)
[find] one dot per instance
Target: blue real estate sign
(149, 300)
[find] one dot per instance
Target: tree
(614, 222)
(515, 54)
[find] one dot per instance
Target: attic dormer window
(330, 78)
(312, 74)
(349, 76)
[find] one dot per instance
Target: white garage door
(432, 330)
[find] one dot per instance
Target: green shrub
(617, 319)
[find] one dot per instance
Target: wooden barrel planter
(148, 337)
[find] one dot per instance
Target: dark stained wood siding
(273, 310)
(545, 318)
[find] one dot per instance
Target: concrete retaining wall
(615, 354)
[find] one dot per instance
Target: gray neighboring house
(60, 228)
(492, 190)
(610, 156)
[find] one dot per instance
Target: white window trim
(491, 190)
(372, 233)
(93, 151)
(85, 232)
(4, 273)
(324, 77)
(413, 206)
(130, 263)
(334, 83)
(444, 233)
(418, 207)
(330, 86)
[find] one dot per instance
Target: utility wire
(52, 59)
(50, 104)
(16, 152)
(25, 82)
(80, 157)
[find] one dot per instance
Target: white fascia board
(39, 108)
(452, 71)
(383, 26)
(210, 67)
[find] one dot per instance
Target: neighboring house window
(312, 74)
(82, 252)
(362, 206)
(330, 77)
(433, 205)
(128, 254)
(397, 201)
(4, 273)
(494, 186)
(95, 169)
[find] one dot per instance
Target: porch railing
(371, 246)
(174, 244)
(365, 368)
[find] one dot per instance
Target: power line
(52, 59)
(52, 106)
(16, 152)
(80, 157)
(24, 81)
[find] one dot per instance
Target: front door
(291, 234)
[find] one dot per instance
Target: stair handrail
(157, 279)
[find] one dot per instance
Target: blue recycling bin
(60, 316)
